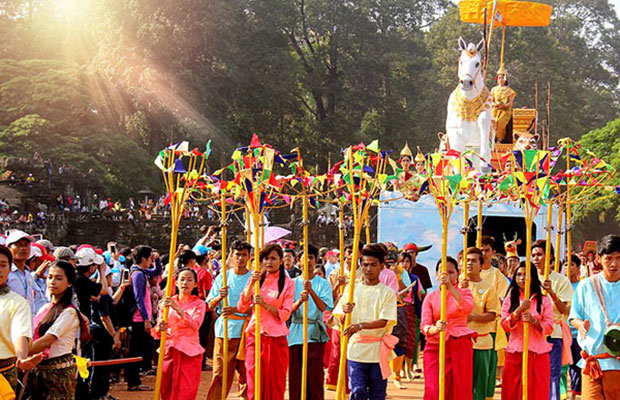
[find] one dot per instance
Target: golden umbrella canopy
(507, 12)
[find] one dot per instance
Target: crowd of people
(59, 302)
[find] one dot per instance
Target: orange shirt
(283, 302)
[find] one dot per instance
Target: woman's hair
(403, 256)
(64, 301)
(190, 270)
(185, 257)
(535, 287)
(263, 254)
(449, 260)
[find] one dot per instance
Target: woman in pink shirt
(183, 358)
(538, 312)
(277, 292)
(459, 345)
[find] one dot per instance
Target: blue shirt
(586, 306)
(22, 283)
(236, 284)
(573, 330)
(315, 317)
(329, 267)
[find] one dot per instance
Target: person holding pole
(236, 282)
(338, 282)
(318, 293)
(560, 292)
(373, 315)
(481, 320)
(459, 351)
(275, 300)
(183, 357)
(538, 312)
(593, 312)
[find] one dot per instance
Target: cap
(332, 253)
(201, 249)
(17, 235)
(64, 253)
(38, 251)
(87, 256)
(414, 247)
(47, 244)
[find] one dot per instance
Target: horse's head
(470, 63)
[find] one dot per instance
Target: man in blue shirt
(600, 377)
(236, 280)
(318, 293)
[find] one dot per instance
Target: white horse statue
(469, 121)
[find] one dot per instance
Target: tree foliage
(318, 74)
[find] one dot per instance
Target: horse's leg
(486, 135)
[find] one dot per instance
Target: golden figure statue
(503, 98)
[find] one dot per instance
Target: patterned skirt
(410, 343)
(54, 379)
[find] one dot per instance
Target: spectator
(21, 280)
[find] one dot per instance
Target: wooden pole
(526, 295)
(225, 299)
(341, 229)
(443, 312)
(548, 240)
(257, 342)
(465, 236)
(568, 228)
(479, 227)
(367, 227)
(306, 274)
(558, 238)
(340, 389)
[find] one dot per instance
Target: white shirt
(65, 329)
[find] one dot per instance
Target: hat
(406, 151)
(38, 251)
(64, 253)
(501, 70)
(47, 244)
(332, 253)
(87, 256)
(414, 247)
(3, 240)
(201, 249)
(17, 235)
(419, 157)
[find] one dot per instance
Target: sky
(617, 4)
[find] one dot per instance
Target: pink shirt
(182, 332)
(270, 325)
(537, 338)
(456, 314)
(389, 279)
